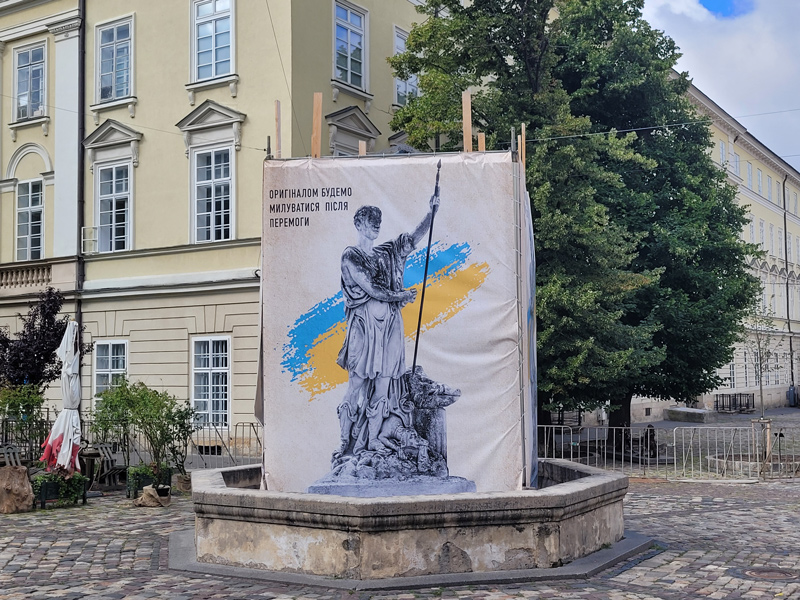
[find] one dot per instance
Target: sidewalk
(717, 541)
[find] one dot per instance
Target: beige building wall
(164, 288)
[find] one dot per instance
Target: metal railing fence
(760, 451)
(212, 446)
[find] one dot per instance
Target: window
(737, 167)
(761, 239)
(789, 254)
(350, 51)
(210, 379)
(771, 239)
(750, 175)
(746, 377)
(29, 220)
(797, 248)
(722, 157)
(113, 208)
(778, 194)
(758, 180)
(110, 364)
(780, 242)
(795, 203)
(29, 82)
(769, 188)
(731, 375)
(212, 201)
(114, 48)
(405, 89)
(213, 42)
(752, 230)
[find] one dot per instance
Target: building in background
(132, 150)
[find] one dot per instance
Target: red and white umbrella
(64, 442)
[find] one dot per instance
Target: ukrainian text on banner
(342, 288)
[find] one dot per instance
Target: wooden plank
(466, 116)
(481, 142)
(522, 153)
(362, 148)
(316, 131)
(277, 128)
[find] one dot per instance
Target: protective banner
(347, 244)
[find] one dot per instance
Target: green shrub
(69, 490)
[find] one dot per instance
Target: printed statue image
(392, 421)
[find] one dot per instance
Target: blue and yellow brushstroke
(315, 338)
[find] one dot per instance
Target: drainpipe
(786, 266)
(80, 271)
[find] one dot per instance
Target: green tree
(619, 73)
(642, 282)
(586, 284)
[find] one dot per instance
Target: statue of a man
(374, 350)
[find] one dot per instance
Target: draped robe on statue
(375, 342)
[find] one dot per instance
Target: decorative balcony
(30, 278)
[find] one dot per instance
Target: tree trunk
(619, 417)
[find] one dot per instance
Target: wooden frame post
(522, 153)
(362, 148)
(277, 128)
(481, 142)
(466, 116)
(316, 131)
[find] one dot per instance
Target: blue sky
(745, 55)
(728, 8)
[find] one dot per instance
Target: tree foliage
(29, 356)
(642, 283)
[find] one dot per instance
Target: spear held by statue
(427, 261)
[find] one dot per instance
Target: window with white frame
(795, 202)
(769, 188)
(114, 50)
(722, 157)
(750, 175)
(772, 239)
(211, 379)
(761, 238)
(110, 364)
(759, 182)
(406, 89)
(213, 197)
(780, 242)
(732, 375)
(746, 376)
(113, 208)
(778, 193)
(29, 83)
(789, 254)
(212, 38)
(752, 227)
(349, 61)
(737, 166)
(30, 220)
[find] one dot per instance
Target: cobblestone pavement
(714, 540)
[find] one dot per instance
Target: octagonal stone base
(577, 512)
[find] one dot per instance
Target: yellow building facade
(132, 152)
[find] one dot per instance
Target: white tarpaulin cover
(475, 323)
(62, 445)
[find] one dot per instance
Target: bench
(9, 456)
(109, 470)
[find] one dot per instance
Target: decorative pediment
(113, 139)
(348, 126)
(211, 116)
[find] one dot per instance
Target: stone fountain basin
(577, 511)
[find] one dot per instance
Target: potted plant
(52, 486)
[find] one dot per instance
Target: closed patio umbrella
(63, 443)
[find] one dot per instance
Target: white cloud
(748, 64)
